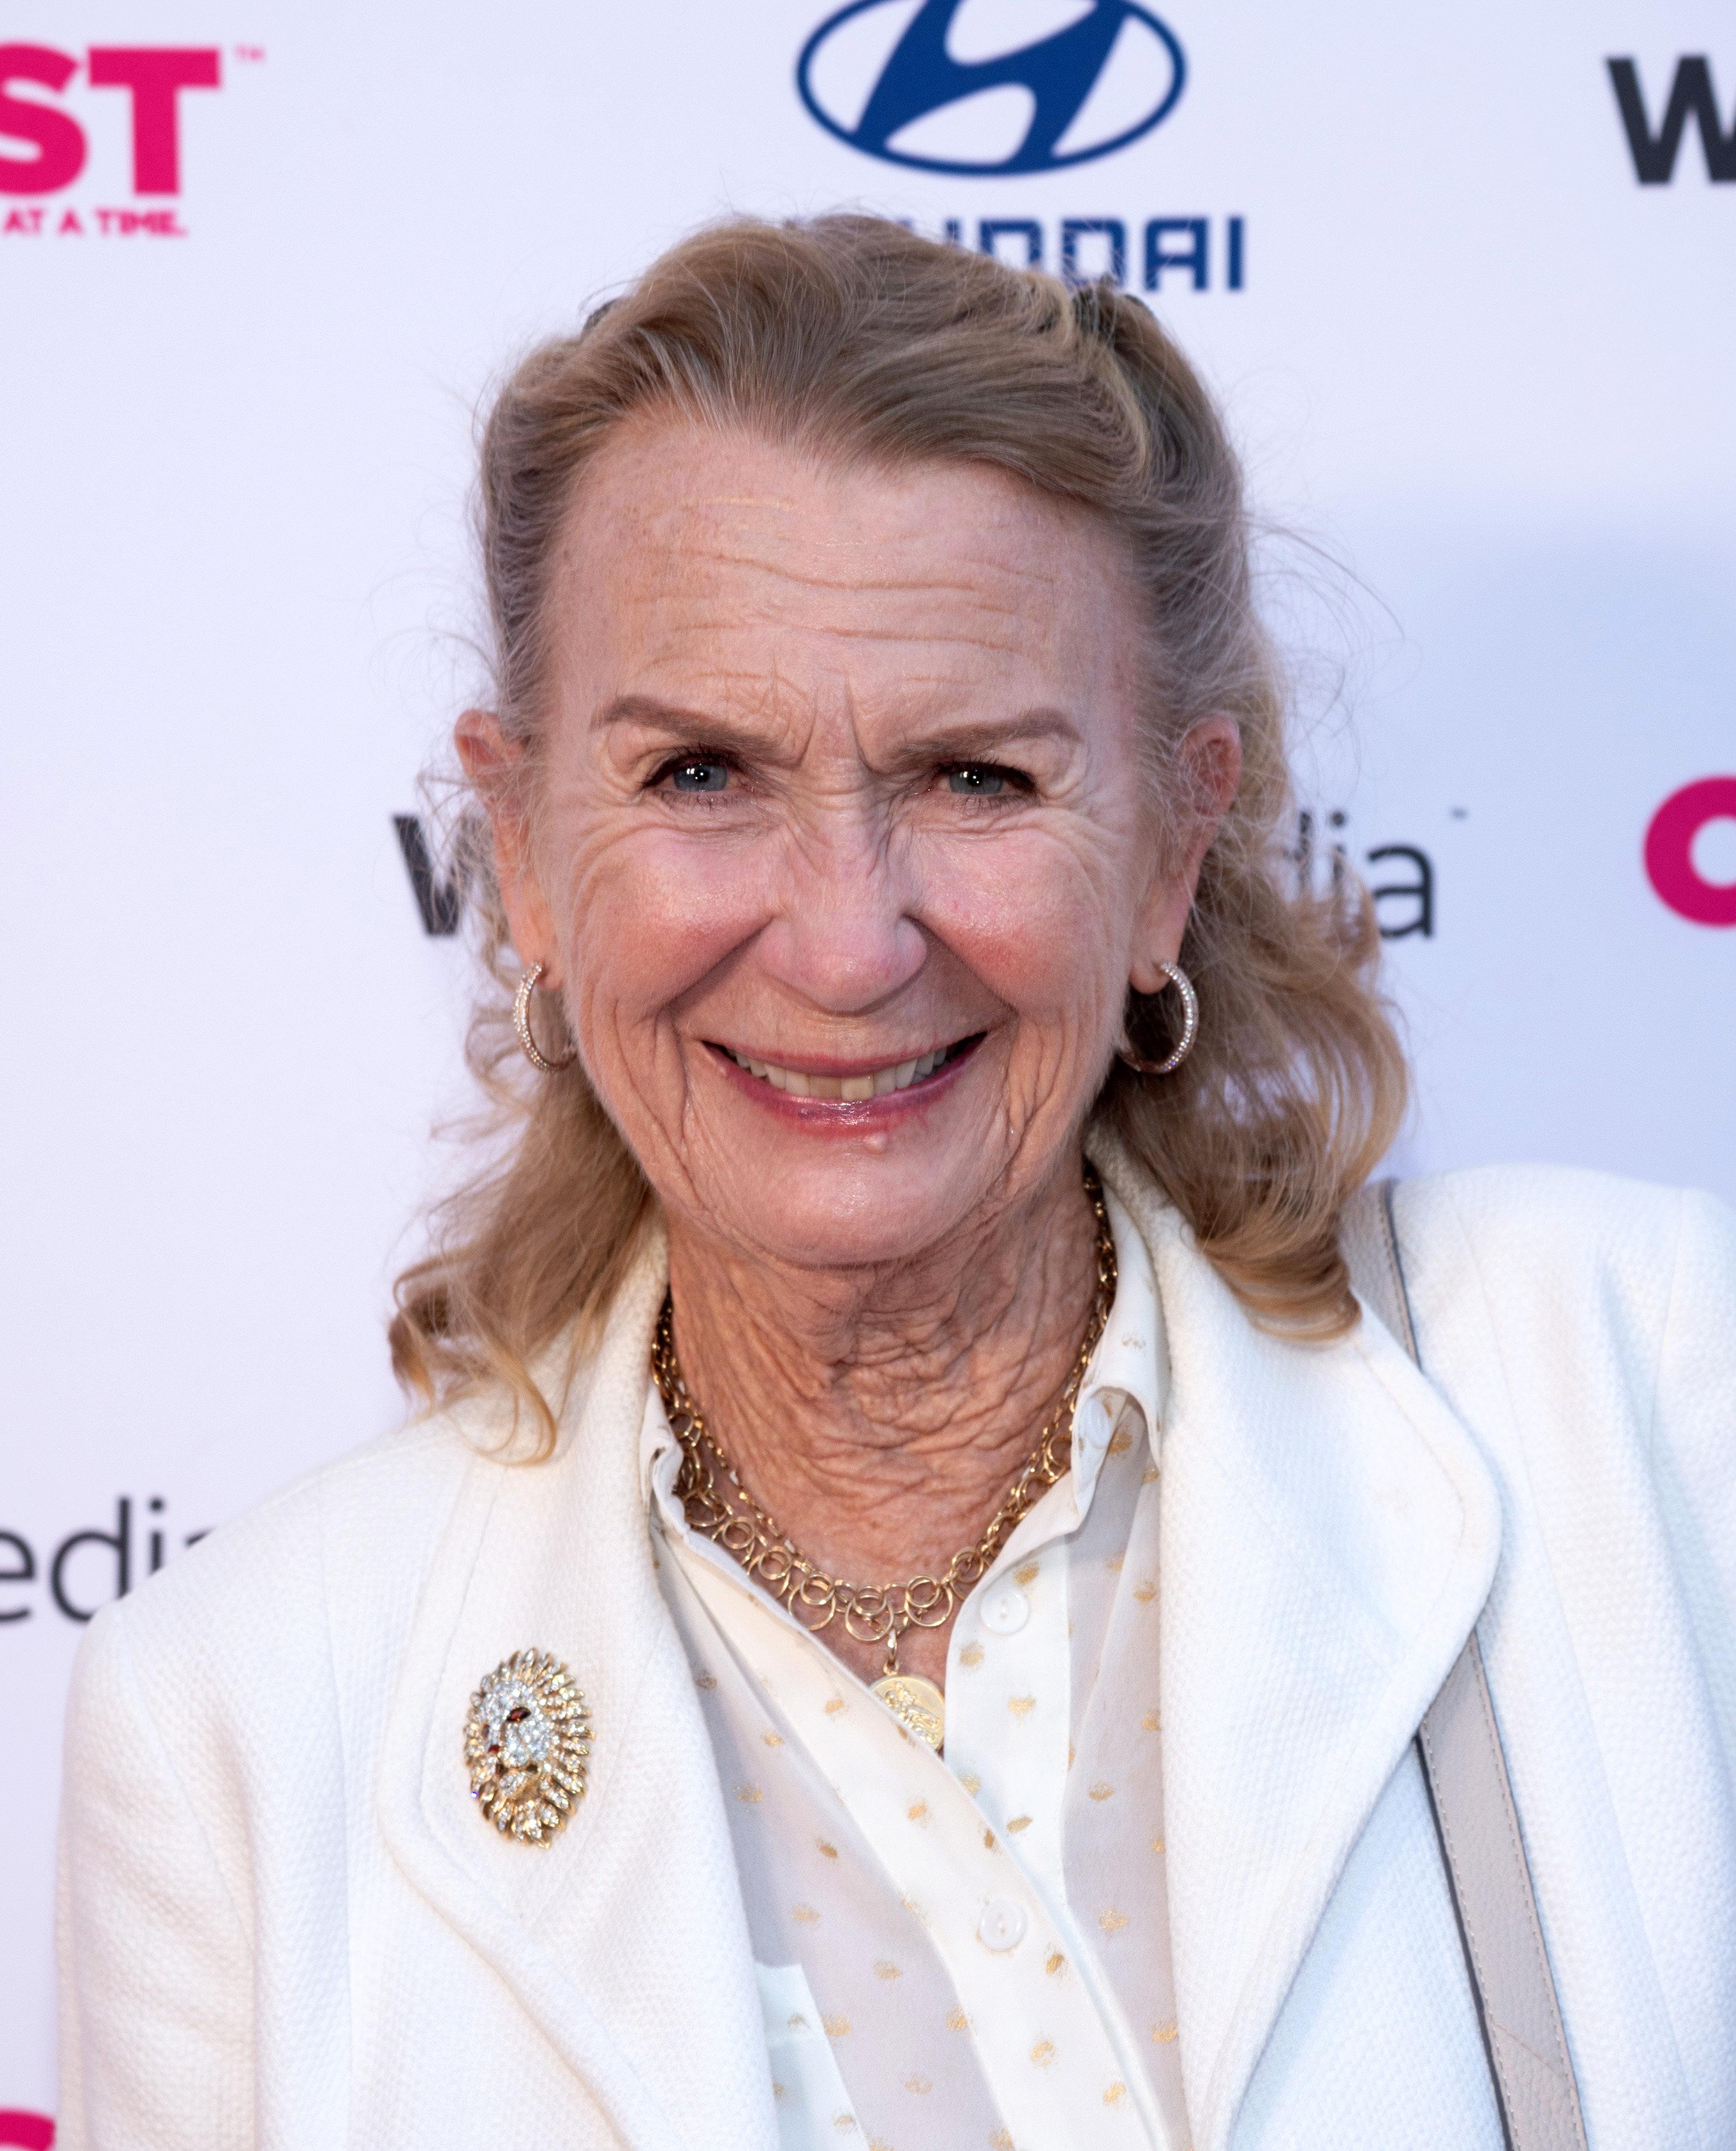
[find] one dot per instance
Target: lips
(876, 1083)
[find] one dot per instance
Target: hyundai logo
(966, 86)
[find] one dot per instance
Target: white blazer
(284, 1924)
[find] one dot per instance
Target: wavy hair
(855, 339)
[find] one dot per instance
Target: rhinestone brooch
(527, 1736)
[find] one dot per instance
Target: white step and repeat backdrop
(1464, 276)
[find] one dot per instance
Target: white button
(1006, 1610)
(1093, 1422)
(1002, 1925)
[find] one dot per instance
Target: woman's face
(841, 857)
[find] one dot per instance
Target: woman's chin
(850, 1208)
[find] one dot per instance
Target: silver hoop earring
(1189, 1028)
(521, 1023)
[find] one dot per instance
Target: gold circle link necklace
(719, 1507)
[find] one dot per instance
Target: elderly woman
(907, 1617)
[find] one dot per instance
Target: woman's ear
(1209, 772)
(490, 761)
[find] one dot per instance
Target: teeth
(879, 1084)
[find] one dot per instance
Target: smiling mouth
(875, 1083)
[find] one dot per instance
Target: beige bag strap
(1473, 1811)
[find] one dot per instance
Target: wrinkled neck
(882, 1416)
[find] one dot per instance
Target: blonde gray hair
(860, 343)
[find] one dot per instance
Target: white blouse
(972, 1949)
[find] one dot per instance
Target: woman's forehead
(681, 532)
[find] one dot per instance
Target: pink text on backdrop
(153, 76)
(1669, 852)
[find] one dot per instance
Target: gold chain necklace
(872, 1613)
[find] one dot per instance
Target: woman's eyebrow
(982, 738)
(663, 717)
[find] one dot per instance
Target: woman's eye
(699, 774)
(978, 777)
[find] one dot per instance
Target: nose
(843, 936)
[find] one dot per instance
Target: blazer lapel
(637, 1896)
(1328, 1534)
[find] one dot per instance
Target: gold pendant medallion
(917, 1703)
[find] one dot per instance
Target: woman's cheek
(1034, 922)
(652, 916)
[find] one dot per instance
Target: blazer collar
(1328, 1536)
(557, 1556)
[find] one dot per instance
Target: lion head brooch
(527, 1736)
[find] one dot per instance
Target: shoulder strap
(1473, 1811)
